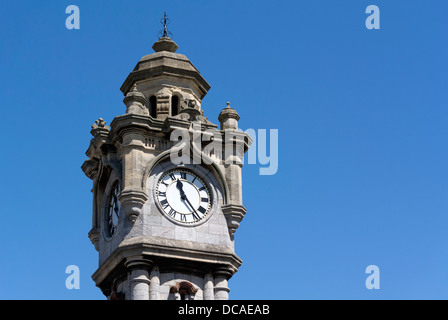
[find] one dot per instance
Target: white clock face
(183, 196)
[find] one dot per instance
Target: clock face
(183, 196)
(113, 211)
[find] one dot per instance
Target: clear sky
(362, 124)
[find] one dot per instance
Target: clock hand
(194, 210)
(183, 196)
(179, 186)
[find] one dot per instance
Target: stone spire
(180, 77)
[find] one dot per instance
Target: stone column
(233, 153)
(221, 288)
(208, 293)
(234, 147)
(154, 286)
(139, 280)
(133, 196)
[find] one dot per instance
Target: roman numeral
(162, 194)
(172, 213)
(202, 210)
(183, 175)
(164, 204)
(183, 217)
(204, 199)
(173, 177)
(203, 188)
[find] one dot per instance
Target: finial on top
(228, 118)
(165, 43)
(165, 21)
(100, 124)
(135, 101)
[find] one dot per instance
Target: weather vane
(165, 21)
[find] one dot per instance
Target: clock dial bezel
(188, 203)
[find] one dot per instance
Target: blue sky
(361, 115)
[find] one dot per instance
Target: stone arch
(184, 290)
(213, 167)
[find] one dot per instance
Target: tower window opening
(182, 291)
(174, 106)
(153, 106)
(186, 293)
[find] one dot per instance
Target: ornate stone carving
(90, 168)
(234, 214)
(132, 202)
(94, 236)
(100, 123)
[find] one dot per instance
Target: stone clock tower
(167, 194)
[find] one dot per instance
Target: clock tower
(167, 193)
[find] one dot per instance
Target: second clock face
(113, 212)
(183, 196)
